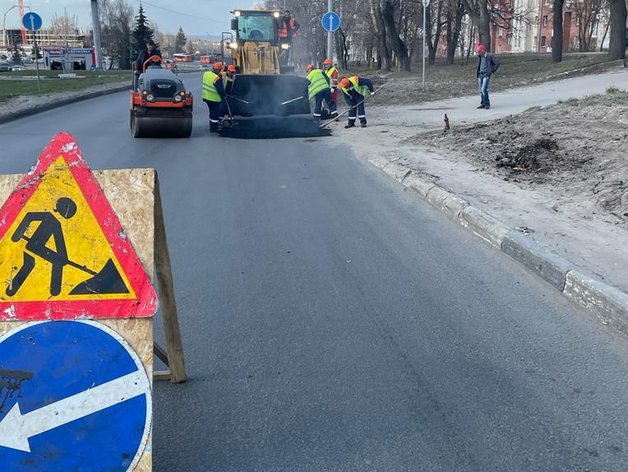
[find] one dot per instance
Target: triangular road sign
(63, 252)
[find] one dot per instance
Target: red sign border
(145, 303)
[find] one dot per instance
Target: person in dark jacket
(355, 92)
(145, 54)
(487, 66)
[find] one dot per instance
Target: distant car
(5, 67)
(17, 68)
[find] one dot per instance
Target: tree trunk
(482, 19)
(453, 30)
(617, 46)
(557, 39)
(395, 41)
(604, 36)
(383, 53)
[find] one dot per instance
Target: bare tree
(116, 18)
(557, 39)
(587, 17)
(392, 35)
(453, 20)
(479, 12)
(62, 27)
(617, 46)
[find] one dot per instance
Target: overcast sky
(197, 17)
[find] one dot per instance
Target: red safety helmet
(480, 49)
(345, 83)
(231, 68)
(327, 62)
(217, 65)
(309, 67)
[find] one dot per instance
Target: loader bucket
(255, 95)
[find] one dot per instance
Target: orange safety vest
(283, 32)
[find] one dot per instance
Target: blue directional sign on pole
(32, 21)
(73, 396)
(331, 21)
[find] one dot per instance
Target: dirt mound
(539, 155)
(576, 149)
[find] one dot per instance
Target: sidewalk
(595, 245)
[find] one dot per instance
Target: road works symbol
(87, 409)
(63, 254)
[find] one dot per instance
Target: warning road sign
(63, 253)
(73, 396)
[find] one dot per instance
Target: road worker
(319, 88)
(213, 95)
(334, 75)
(228, 77)
(355, 92)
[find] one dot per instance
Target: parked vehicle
(5, 67)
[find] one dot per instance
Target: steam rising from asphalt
(274, 128)
(256, 103)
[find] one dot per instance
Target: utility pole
(426, 3)
(96, 28)
(330, 34)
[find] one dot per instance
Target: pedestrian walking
(487, 66)
(213, 95)
(319, 88)
(355, 90)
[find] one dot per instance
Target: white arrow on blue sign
(331, 21)
(78, 399)
(32, 21)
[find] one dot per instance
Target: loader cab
(255, 26)
(256, 48)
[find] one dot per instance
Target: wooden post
(176, 361)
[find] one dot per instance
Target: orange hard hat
(231, 68)
(309, 67)
(344, 83)
(327, 62)
(218, 65)
(480, 49)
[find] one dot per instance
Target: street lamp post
(96, 28)
(4, 25)
(426, 3)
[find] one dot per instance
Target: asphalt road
(334, 323)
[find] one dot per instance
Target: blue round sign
(73, 396)
(32, 21)
(331, 21)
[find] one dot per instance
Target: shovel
(293, 100)
(327, 123)
(238, 99)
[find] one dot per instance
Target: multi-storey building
(45, 37)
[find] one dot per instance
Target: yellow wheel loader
(262, 85)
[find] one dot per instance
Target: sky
(197, 17)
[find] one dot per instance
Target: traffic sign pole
(330, 22)
(330, 34)
(33, 22)
(36, 61)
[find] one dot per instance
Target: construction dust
(273, 128)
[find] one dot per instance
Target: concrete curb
(64, 101)
(608, 303)
(600, 67)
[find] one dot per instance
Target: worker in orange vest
(228, 77)
(288, 28)
(334, 75)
